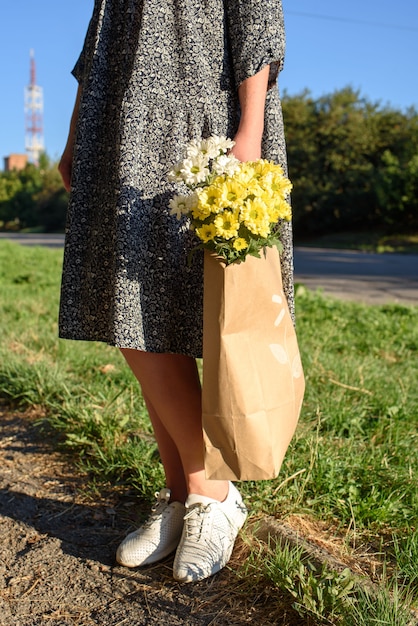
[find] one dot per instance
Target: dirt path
(57, 551)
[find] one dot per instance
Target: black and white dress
(155, 75)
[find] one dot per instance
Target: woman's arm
(252, 98)
(65, 165)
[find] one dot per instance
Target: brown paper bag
(253, 381)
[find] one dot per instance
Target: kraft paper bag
(253, 381)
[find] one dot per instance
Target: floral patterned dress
(155, 75)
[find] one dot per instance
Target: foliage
(315, 592)
(33, 198)
(325, 597)
(353, 163)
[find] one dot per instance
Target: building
(15, 162)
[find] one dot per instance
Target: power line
(348, 20)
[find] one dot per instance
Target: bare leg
(170, 458)
(171, 387)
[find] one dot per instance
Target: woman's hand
(65, 166)
(247, 147)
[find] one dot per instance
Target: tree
(336, 148)
(33, 197)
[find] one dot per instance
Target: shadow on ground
(57, 560)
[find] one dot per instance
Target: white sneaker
(157, 537)
(209, 533)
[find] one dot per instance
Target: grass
(323, 596)
(351, 466)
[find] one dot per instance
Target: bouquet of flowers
(235, 208)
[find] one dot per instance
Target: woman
(151, 77)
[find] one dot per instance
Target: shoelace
(155, 511)
(195, 517)
(241, 506)
(194, 520)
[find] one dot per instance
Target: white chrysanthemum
(175, 174)
(211, 147)
(195, 170)
(181, 205)
(222, 144)
(226, 164)
(193, 148)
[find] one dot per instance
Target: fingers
(65, 169)
(246, 148)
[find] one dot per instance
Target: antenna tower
(34, 108)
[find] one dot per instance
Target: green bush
(33, 198)
(354, 164)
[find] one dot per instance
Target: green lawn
(353, 462)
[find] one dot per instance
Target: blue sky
(371, 45)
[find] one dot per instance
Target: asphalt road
(360, 276)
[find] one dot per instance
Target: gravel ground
(57, 557)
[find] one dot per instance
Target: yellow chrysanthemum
(206, 232)
(245, 173)
(233, 193)
(265, 196)
(281, 185)
(254, 190)
(264, 230)
(263, 168)
(285, 210)
(274, 214)
(280, 209)
(226, 224)
(200, 211)
(240, 244)
(209, 202)
(255, 216)
(218, 181)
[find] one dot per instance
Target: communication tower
(34, 108)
